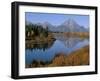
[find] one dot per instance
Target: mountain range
(69, 25)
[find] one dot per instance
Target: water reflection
(69, 42)
(47, 51)
(42, 45)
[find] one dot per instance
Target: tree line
(34, 30)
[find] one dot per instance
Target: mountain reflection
(69, 42)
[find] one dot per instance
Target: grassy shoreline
(79, 57)
(75, 34)
(76, 58)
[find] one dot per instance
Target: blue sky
(56, 19)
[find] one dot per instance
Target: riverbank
(74, 34)
(79, 57)
(76, 58)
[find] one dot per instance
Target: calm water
(46, 52)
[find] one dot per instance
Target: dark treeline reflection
(41, 45)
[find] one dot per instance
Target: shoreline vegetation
(76, 58)
(76, 34)
(50, 36)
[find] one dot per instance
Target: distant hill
(67, 26)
